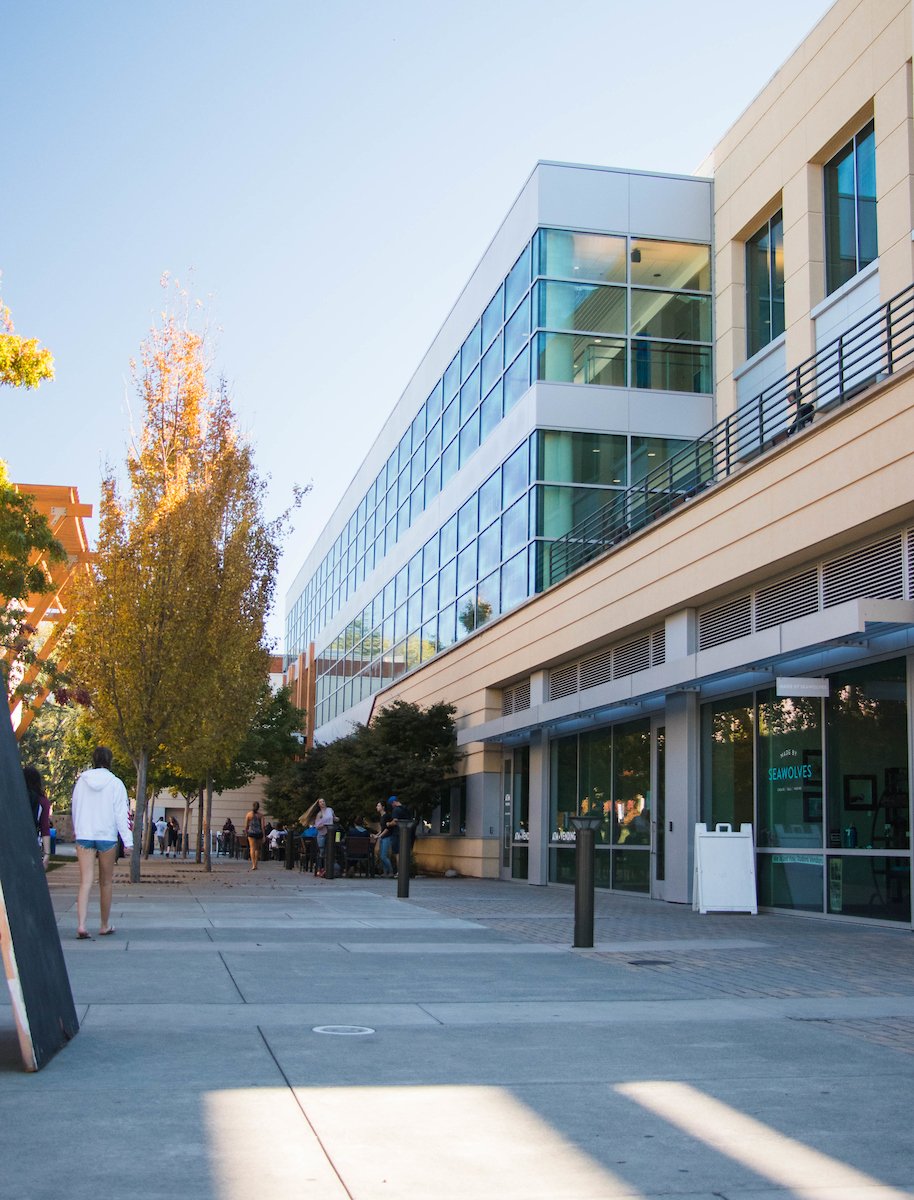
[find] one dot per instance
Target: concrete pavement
(271, 1035)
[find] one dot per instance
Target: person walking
(99, 811)
(41, 811)
(253, 828)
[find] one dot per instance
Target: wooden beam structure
(50, 613)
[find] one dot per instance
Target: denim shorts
(101, 847)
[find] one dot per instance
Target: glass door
(515, 814)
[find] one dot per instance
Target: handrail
(870, 350)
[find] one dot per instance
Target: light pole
(585, 827)
(406, 844)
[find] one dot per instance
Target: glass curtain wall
(583, 308)
(608, 772)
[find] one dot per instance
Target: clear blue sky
(325, 176)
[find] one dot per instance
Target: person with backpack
(41, 811)
(253, 830)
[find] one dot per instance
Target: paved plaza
(269, 1035)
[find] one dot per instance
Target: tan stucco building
(715, 620)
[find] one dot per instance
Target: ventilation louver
(787, 599)
(872, 571)
(724, 623)
(563, 681)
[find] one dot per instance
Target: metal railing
(870, 350)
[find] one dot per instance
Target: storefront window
(727, 756)
(790, 770)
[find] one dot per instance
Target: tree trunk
(139, 819)
(199, 857)
(207, 853)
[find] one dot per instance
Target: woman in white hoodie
(99, 815)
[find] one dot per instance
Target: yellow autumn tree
(234, 597)
(23, 362)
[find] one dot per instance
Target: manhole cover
(649, 962)
(343, 1030)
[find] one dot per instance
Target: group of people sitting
(383, 836)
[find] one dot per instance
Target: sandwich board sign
(724, 874)
(33, 959)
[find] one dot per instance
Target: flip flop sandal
(81, 937)
(106, 932)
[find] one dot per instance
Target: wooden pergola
(50, 614)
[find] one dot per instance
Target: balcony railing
(867, 352)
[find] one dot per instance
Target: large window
(850, 209)
(765, 284)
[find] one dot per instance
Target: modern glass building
(577, 358)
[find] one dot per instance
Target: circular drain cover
(343, 1030)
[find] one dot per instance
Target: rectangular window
(566, 457)
(517, 379)
(580, 358)
(672, 316)
(765, 284)
(580, 306)
(671, 366)
(568, 255)
(850, 209)
(679, 266)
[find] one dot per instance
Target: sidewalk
(474, 1053)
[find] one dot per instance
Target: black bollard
(406, 844)
(290, 849)
(585, 828)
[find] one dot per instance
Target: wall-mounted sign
(792, 685)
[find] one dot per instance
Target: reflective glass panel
(727, 731)
(433, 403)
(518, 281)
(430, 558)
(517, 379)
(566, 457)
(470, 350)
(490, 412)
(765, 285)
(432, 444)
(514, 527)
(447, 623)
(452, 379)
(514, 476)
(514, 581)
(490, 499)
(449, 538)
(560, 508)
(581, 358)
(667, 315)
(449, 463)
(450, 422)
(489, 548)
(469, 396)
(487, 599)
(467, 522)
(671, 366)
(850, 209)
(493, 316)
(466, 567)
(789, 740)
(673, 265)
(447, 582)
(649, 453)
(580, 306)
(433, 483)
(430, 599)
(469, 438)
(466, 614)
(568, 255)
(517, 330)
(492, 363)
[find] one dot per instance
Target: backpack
(255, 829)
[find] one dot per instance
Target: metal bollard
(585, 828)
(406, 844)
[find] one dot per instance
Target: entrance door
(658, 811)
(515, 813)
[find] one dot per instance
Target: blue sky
(324, 177)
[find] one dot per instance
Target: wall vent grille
(597, 669)
(875, 570)
(515, 698)
(787, 599)
(633, 657)
(658, 647)
(563, 681)
(725, 622)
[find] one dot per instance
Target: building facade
(719, 626)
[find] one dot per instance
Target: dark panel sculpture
(32, 955)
